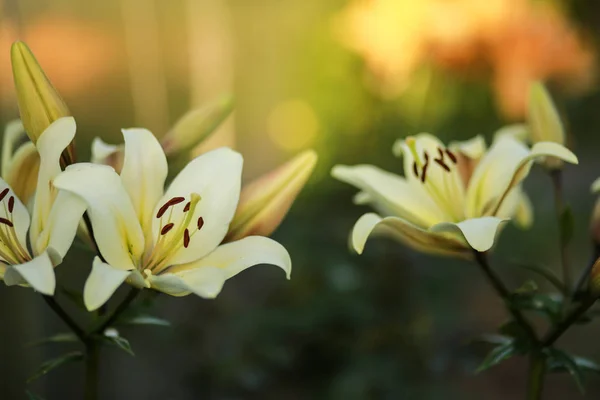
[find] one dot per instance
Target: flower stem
(65, 317)
(556, 175)
(133, 293)
(569, 320)
(537, 373)
(504, 293)
(585, 273)
(91, 369)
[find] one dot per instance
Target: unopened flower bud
(595, 220)
(544, 121)
(594, 282)
(195, 126)
(39, 102)
(265, 201)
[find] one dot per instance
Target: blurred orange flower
(510, 42)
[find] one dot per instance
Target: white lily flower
(167, 241)
(449, 201)
(20, 161)
(52, 227)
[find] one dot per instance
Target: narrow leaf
(49, 365)
(58, 338)
(119, 342)
(144, 320)
(497, 355)
(561, 360)
(546, 274)
(32, 396)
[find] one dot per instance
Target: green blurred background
(346, 78)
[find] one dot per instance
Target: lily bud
(265, 201)
(20, 161)
(195, 126)
(544, 121)
(39, 102)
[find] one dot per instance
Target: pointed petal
(595, 187)
(392, 193)
(116, 227)
(38, 273)
(107, 154)
(265, 201)
(50, 146)
(518, 207)
(102, 283)
(205, 282)
(143, 174)
(62, 224)
(22, 172)
(405, 232)
(519, 132)
(473, 148)
(543, 118)
(19, 215)
(216, 177)
(237, 256)
(479, 233)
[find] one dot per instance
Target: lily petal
(61, 226)
(101, 284)
(107, 154)
(38, 273)
(392, 193)
(405, 232)
(19, 215)
(50, 145)
(265, 201)
(595, 187)
(479, 233)
(143, 174)
(22, 172)
(116, 227)
(205, 282)
(519, 132)
(473, 148)
(216, 177)
(237, 256)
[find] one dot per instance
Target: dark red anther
(442, 164)
(200, 223)
(3, 194)
(440, 153)
(424, 173)
(165, 207)
(186, 238)
(451, 156)
(6, 222)
(11, 204)
(426, 157)
(187, 206)
(167, 228)
(415, 169)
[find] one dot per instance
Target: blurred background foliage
(347, 78)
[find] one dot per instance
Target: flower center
(172, 235)
(11, 249)
(437, 170)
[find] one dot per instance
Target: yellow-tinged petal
(37, 273)
(102, 283)
(196, 125)
(407, 233)
(20, 161)
(478, 233)
(237, 256)
(544, 120)
(108, 154)
(216, 178)
(39, 102)
(265, 201)
(116, 227)
(595, 187)
(473, 148)
(205, 282)
(519, 132)
(50, 146)
(392, 193)
(143, 174)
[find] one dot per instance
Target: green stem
(133, 293)
(566, 323)
(537, 373)
(504, 293)
(65, 317)
(585, 273)
(91, 369)
(556, 175)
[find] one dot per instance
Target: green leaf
(567, 225)
(143, 319)
(49, 365)
(548, 304)
(66, 337)
(561, 361)
(32, 396)
(119, 342)
(586, 364)
(497, 355)
(493, 339)
(527, 288)
(546, 274)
